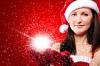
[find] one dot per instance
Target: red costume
(52, 57)
(59, 59)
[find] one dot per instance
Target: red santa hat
(71, 5)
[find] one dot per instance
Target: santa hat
(72, 5)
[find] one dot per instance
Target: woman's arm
(56, 47)
(96, 59)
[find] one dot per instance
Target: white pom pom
(63, 28)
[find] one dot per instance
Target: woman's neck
(82, 46)
(80, 39)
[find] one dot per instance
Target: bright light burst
(41, 42)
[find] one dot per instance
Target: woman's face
(80, 20)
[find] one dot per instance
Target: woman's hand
(52, 56)
(40, 58)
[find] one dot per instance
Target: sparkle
(41, 42)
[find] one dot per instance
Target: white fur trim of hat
(81, 3)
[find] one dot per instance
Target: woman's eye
(85, 14)
(73, 14)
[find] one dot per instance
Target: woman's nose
(78, 19)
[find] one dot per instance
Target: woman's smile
(79, 26)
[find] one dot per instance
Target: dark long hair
(93, 36)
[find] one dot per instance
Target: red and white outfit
(82, 60)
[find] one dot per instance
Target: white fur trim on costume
(81, 3)
(63, 28)
(81, 58)
(77, 0)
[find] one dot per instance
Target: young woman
(83, 37)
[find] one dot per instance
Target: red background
(31, 17)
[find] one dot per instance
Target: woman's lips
(79, 26)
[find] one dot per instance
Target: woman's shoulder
(96, 59)
(97, 54)
(56, 47)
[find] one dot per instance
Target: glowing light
(41, 43)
